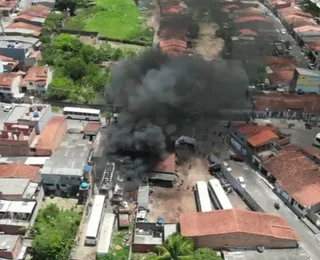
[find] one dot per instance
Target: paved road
(266, 198)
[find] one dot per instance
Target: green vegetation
(78, 76)
(115, 19)
(178, 247)
(119, 250)
(54, 233)
(53, 23)
(256, 71)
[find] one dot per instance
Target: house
(297, 181)
(280, 78)
(173, 47)
(20, 171)
(36, 116)
(7, 7)
(11, 246)
(23, 29)
(35, 15)
(66, 167)
(19, 48)
(235, 229)
(91, 130)
(37, 80)
(251, 139)
(149, 235)
(305, 81)
(8, 64)
(163, 173)
(9, 85)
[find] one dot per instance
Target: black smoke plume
(158, 93)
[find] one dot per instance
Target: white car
(227, 167)
(283, 31)
(242, 182)
(7, 108)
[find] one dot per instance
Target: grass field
(112, 18)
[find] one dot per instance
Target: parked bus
(94, 220)
(203, 198)
(218, 195)
(82, 113)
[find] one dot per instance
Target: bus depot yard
(123, 20)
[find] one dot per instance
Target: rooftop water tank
(84, 185)
(35, 114)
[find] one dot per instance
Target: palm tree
(176, 247)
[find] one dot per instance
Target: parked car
(7, 108)
(242, 182)
(283, 31)
(237, 158)
(311, 66)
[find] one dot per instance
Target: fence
(104, 38)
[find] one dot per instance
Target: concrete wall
(242, 240)
(15, 252)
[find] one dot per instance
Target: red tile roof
(251, 129)
(21, 25)
(19, 170)
(40, 11)
(234, 221)
(5, 3)
(46, 139)
(92, 127)
(280, 77)
(170, 42)
(170, 8)
(248, 32)
(6, 79)
(279, 60)
(252, 19)
(313, 45)
(168, 165)
(37, 74)
(297, 175)
(285, 66)
(262, 138)
(307, 28)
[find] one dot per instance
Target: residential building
(9, 85)
(48, 3)
(36, 116)
(35, 15)
(16, 216)
(37, 80)
(251, 139)
(37, 161)
(11, 246)
(21, 28)
(306, 81)
(237, 229)
(18, 188)
(7, 7)
(149, 235)
(163, 174)
(299, 187)
(65, 169)
(8, 64)
(20, 171)
(91, 130)
(173, 47)
(253, 22)
(22, 140)
(19, 48)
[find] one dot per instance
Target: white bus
(203, 198)
(82, 113)
(105, 234)
(218, 195)
(94, 220)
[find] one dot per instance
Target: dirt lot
(63, 203)
(170, 203)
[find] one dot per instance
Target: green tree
(52, 23)
(176, 247)
(76, 68)
(67, 43)
(59, 89)
(205, 254)
(64, 5)
(89, 54)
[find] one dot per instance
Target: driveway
(266, 198)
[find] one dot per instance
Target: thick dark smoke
(158, 93)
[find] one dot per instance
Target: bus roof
(205, 202)
(95, 217)
(81, 110)
(220, 194)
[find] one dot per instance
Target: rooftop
(264, 137)
(19, 170)
(168, 165)
(69, 158)
(92, 127)
(297, 175)
(26, 112)
(37, 73)
(308, 72)
(251, 129)
(11, 186)
(278, 60)
(39, 11)
(35, 30)
(6, 79)
(307, 28)
(15, 206)
(8, 242)
(247, 32)
(280, 77)
(223, 222)
(252, 19)
(170, 42)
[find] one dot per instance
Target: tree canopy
(53, 233)
(205, 254)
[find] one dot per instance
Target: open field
(115, 19)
